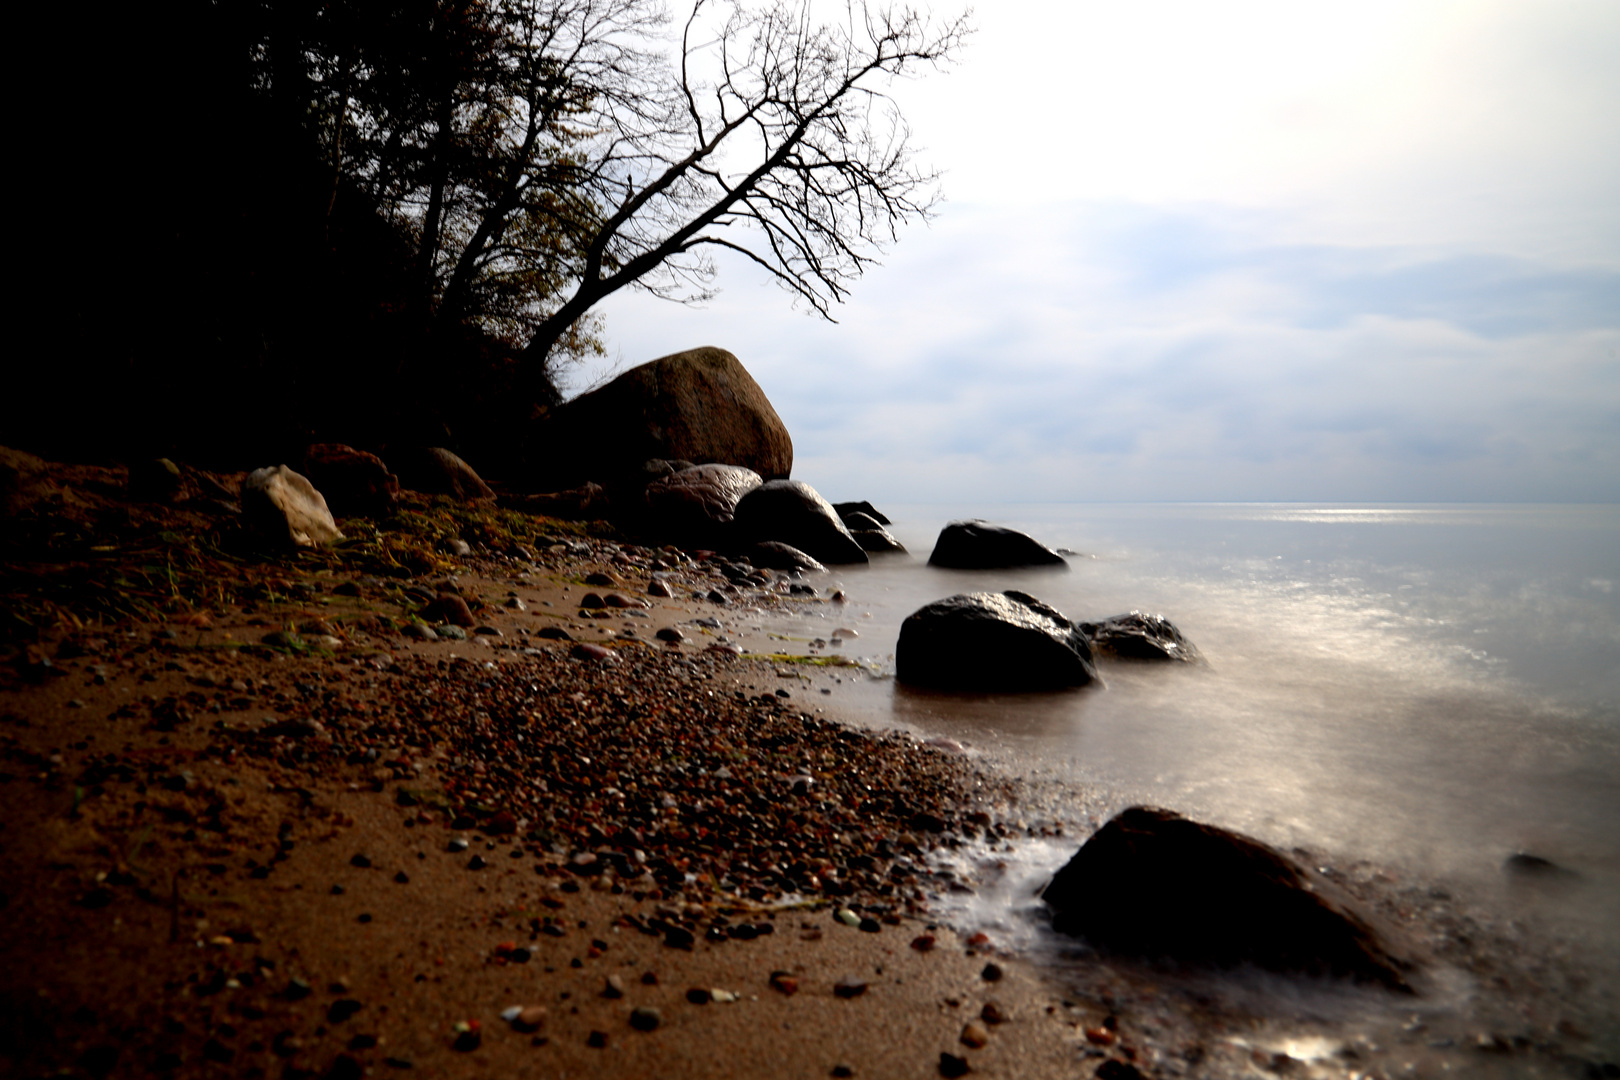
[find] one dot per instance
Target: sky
(1233, 251)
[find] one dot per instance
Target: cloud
(1111, 351)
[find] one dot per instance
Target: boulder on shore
(433, 470)
(695, 506)
(1152, 883)
(284, 507)
(794, 513)
(695, 406)
(772, 555)
(1136, 636)
(992, 641)
(588, 502)
(354, 483)
(978, 545)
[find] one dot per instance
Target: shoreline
(135, 933)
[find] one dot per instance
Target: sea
(1414, 694)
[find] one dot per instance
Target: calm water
(1431, 688)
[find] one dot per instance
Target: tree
(775, 139)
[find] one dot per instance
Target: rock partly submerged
(992, 641)
(696, 506)
(1135, 636)
(978, 545)
(1154, 884)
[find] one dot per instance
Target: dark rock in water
(877, 541)
(588, 502)
(1139, 637)
(792, 512)
(695, 406)
(434, 470)
(858, 520)
(355, 483)
(696, 506)
(977, 545)
(992, 641)
(772, 555)
(1523, 864)
(845, 509)
(1152, 883)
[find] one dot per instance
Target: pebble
(591, 601)
(975, 1035)
(991, 973)
(952, 1066)
(669, 633)
(516, 604)
(844, 915)
(993, 1013)
(599, 578)
(850, 986)
(613, 986)
(419, 631)
(645, 1018)
(698, 995)
(717, 597)
(924, 942)
(658, 588)
(527, 1018)
(584, 650)
(488, 631)
(451, 631)
(554, 633)
(784, 983)
(619, 600)
(456, 844)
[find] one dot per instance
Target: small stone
(402, 878)
(456, 844)
(516, 604)
(849, 986)
(361, 861)
(784, 983)
(488, 631)
(924, 942)
(342, 1009)
(658, 588)
(724, 997)
(871, 926)
(952, 1066)
(992, 1013)
(476, 863)
(717, 597)
(420, 632)
(525, 1018)
(842, 1071)
(451, 632)
(619, 600)
(975, 1035)
(669, 633)
(844, 915)
(645, 1018)
(554, 633)
(584, 650)
(992, 973)
(698, 995)
(591, 601)
(601, 579)
(613, 987)
(596, 1040)
(1100, 1036)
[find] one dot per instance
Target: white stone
(283, 504)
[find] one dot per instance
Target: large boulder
(587, 502)
(695, 506)
(794, 513)
(355, 483)
(978, 545)
(284, 507)
(699, 406)
(992, 641)
(433, 470)
(1136, 636)
(1154, 884)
